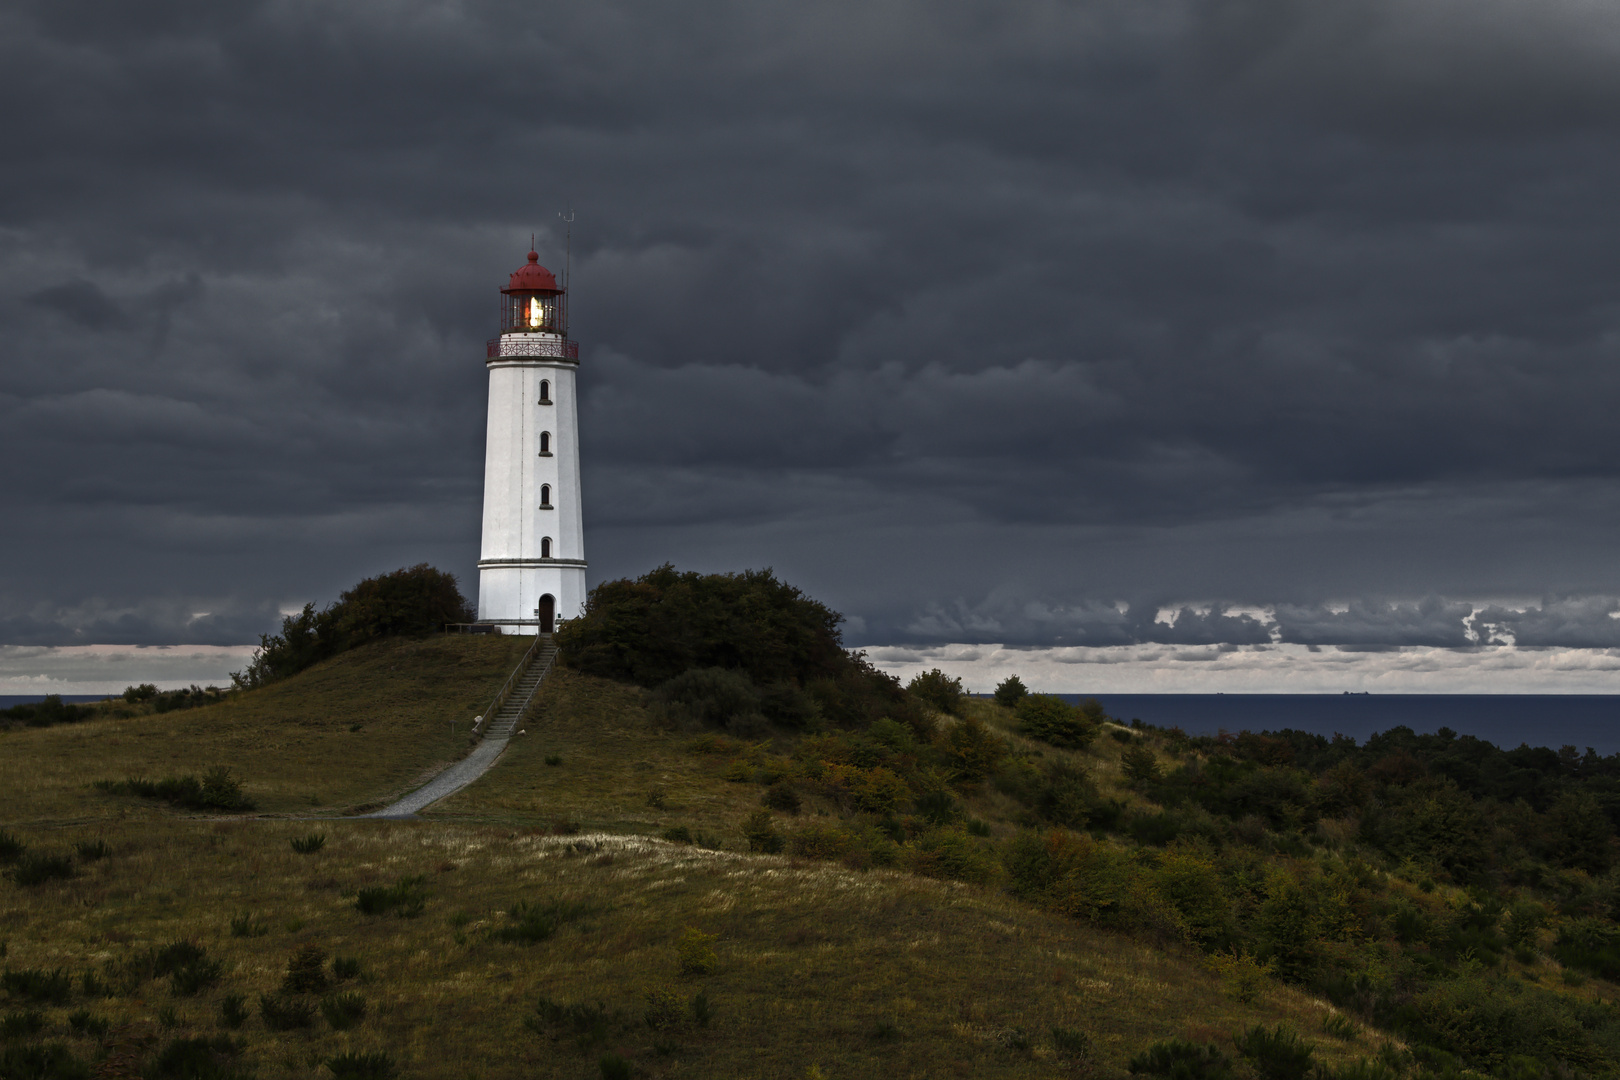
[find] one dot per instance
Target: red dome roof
(533, 278)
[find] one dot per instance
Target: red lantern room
(532, 303)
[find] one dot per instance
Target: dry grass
(853, 973)
(349, 732)
(812, 958)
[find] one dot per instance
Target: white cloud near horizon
(1266, 669)
(107, 669)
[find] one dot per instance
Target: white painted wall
(512, 574)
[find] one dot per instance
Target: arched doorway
(547, 613)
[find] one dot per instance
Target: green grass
(553, 921)
(289, 744)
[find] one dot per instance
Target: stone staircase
(505, 720)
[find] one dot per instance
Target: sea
(1507, 720)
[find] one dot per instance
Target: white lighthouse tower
(531, 571)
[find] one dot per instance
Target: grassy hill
(538, 920)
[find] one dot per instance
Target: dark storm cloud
(1030, 323)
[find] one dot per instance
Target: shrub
(820, 841)
(938, 690)
(197, 1059)
(970, 750)
(1277, 1053)
(781, 796)
(217, 790)
(345, 968)
(614, 1067)
(948, 854)
(309, 845)
(678, 834)
(553, 759)
(233, 1011)
(1182, 1060)
(11, 848)
(247, 925)
(52, 1061)
(761, 833)
(285, 1014)
(91, 850)
(1139, 765)
(695, 950)
(38, 869)
(84, 1023)
(343, 1011)
(1071, 1044)
(654, 628)
(406, 898)
(1055, 721)
(531, 923)
(1591, 945)
(712, 696)
(936, 806)
(191, 979)
(702, 1010)
(375, 1065)
(1360, 1069)
(306, 971)
(1010, 691)
(38, 985)
(664, 1008)
(22, 1025)
(416, 600)
(588, 1023)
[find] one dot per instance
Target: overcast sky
(1042, 323)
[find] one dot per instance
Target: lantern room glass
(531, 313)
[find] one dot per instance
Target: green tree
(938, 690)
(1010, 692)
(1053, 720)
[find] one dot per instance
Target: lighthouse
(531, 567)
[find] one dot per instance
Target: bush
(938, 690)
(195, 977)
(84, 1023)
(285, 1014)
(761, 833)
(416, 600)
(702, 1010)
(343, 1011)
(309, 845)
(588, 1023)
(46, 713)
(22, 1025)
(711, 696)
(1139, 765)
(1070, 1044)
(664, 623)
(1055, 721)
(695, 950)
(248, 925)
(970, 750)
(1182, 1060)
(1591, 945)
(92, 850)
(1278, 1054)
(948, 854)
(38, 869)
(345, 968)
(306, 971)
(233, 1011)
(197, 1059)
(406, 898)
(664, 1008)
(38, 985)
(531, 923)
(11, 848)
(50, 1062)
(614, 1067)
(1010, 692)
(217, 790)
(375, 1065)
(781, 796)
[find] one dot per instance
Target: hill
(539, 920)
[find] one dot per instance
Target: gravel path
(453, 779)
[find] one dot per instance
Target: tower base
(513, 594)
